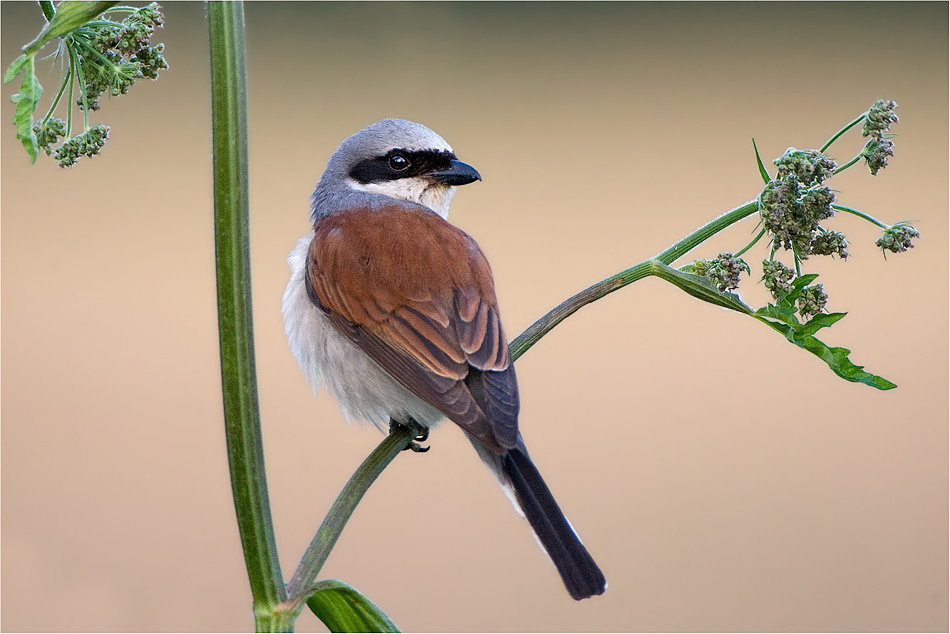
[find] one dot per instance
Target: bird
(394, 309)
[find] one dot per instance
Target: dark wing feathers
(416, 294)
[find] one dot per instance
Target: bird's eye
(398, 162)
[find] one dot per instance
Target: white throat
(423, 191)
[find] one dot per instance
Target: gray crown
(372, 141)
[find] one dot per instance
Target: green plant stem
(82, 92)
(232, 264)
(861, 214)
(520, 344)
(69, 98)
(751, 244)
(82, 41)
(858, 157)
(842, 131)
(59, 95)
(322, 543)
(842, 168)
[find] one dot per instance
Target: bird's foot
(422, 433)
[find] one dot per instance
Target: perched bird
(394, 309)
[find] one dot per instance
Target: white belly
(363, 389)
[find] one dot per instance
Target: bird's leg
(422, 433)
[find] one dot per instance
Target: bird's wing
(416, 294)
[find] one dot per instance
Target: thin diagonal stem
(82, 92)
(69, 97)
(751, 244)
(861, 214)
(339, 514)
(520, 344)
(854, 160)
(842, 131)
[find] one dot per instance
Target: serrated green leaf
(819, 321)
(758, 159)
(836, 358)
(699, 287)
(15, 68)
(798, 285)
(26, 102)
(781, 318)
(342, 608)
(783, 314)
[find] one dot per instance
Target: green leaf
(16, 68)
(699, 287)
(48, 9)
(70, 15)
(816, 323)
(799, 283)
(836, 358)
(342, 608)
(783, 314)
(26, 102)
(781, 317)
(787, 300)
(762, 170)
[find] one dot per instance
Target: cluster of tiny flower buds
(830, 243)
(794, 203)
(810, 167)
(48, 133)
(812, 300)
(87, 144)
(111, 56)
(877, 153)
(137, 29)
(877, 123)
(723, 271)
(121, 54)
(898, 238)
(777, 277)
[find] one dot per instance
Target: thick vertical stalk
(232, 262)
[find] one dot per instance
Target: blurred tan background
(724, 479)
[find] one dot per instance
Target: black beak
(459, 173)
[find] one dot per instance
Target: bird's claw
(421, 436)
(416, 447)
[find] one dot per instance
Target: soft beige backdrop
(724, 479)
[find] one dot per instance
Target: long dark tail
(577, 568)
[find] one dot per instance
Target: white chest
(363, 389)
